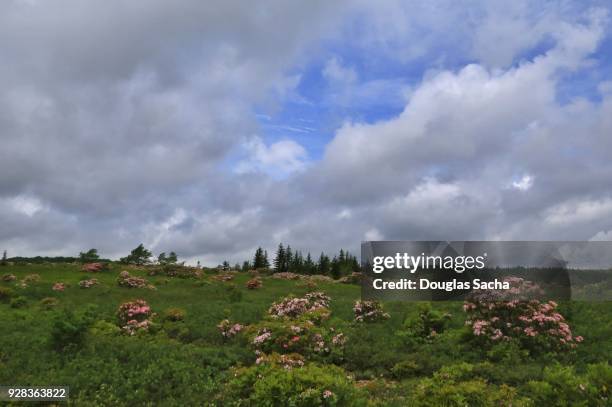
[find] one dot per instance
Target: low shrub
(254, 283)
(425, 326)
(174, 314)
(19, 302)
(134, 316)
(9, 277)
(369, 311)
(94, 267)
(129, 281)
(229, 329)
(6, 294)
(31, 278)
(68, 328)
(284, 380)
(58, 287)
(48, 303)
(88, 283)
(292, 307)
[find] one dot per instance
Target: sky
(212, 128)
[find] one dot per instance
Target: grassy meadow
(75, 340)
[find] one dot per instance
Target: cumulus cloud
(127, 123)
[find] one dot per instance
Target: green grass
(156, 370)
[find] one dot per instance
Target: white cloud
(277, 159)
(523, 184)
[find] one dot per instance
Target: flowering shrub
(58, 287)
(134, 316)
(126, 280)
(9, 277)
(223, 277)
(31, 278)
(174, 314)
(254, 283)
(292, 307)
(94, 267)
(369, 311)
(504, 315)
(88, 283)
(301, 336)
(229, 329)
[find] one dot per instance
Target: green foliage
(48, 303)
(89, 256)
(233, 293)
(561, 386)
(272, 384)
(425, 326)
(6, 294)
(174, 314)
(19, 302)
(69, 328)
(139, 256)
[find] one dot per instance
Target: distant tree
(260, 259)
(138, 256)
(4, 260)
(309, 265)
(162, 259)
(246, 266)
(199, 264)
(323, 267)
(237, 266)
(89, 256)
(288, 258)
(336, 268)
(226, 265)
(265, 259)
(280, 260)
(172, 258)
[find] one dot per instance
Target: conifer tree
(280, 259)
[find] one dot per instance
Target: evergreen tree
(226, 265)
(309, 266)
(172, 258)
(89, 256)
(323, 265)
(138, 256)
(336, 268)
(280, 259)
(260, 260)
(245, 266)
(288, 258)
(4, 260)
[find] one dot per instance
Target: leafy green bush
(6, 294)
(456, 385)
(425, 326)
(561, 386)
(48, 303)
(19, 302)
(174, 314)
(277, 382)
(69, 328)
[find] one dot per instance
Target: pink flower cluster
(262, 336)
(126, 280)
(88, 283)
(291, 307)
(254, 283)
(229, 329)
(134, 316)
(525, 320)
(58, 287)
(286, 361)
(369, 311)
(93, 267)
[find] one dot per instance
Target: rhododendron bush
(58, 287)
(229, 329)
(369, 311)
(127, 280)
(134, 316)
(292, 307)
(536, 325)
(88, 283)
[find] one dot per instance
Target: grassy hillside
(74, 340)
